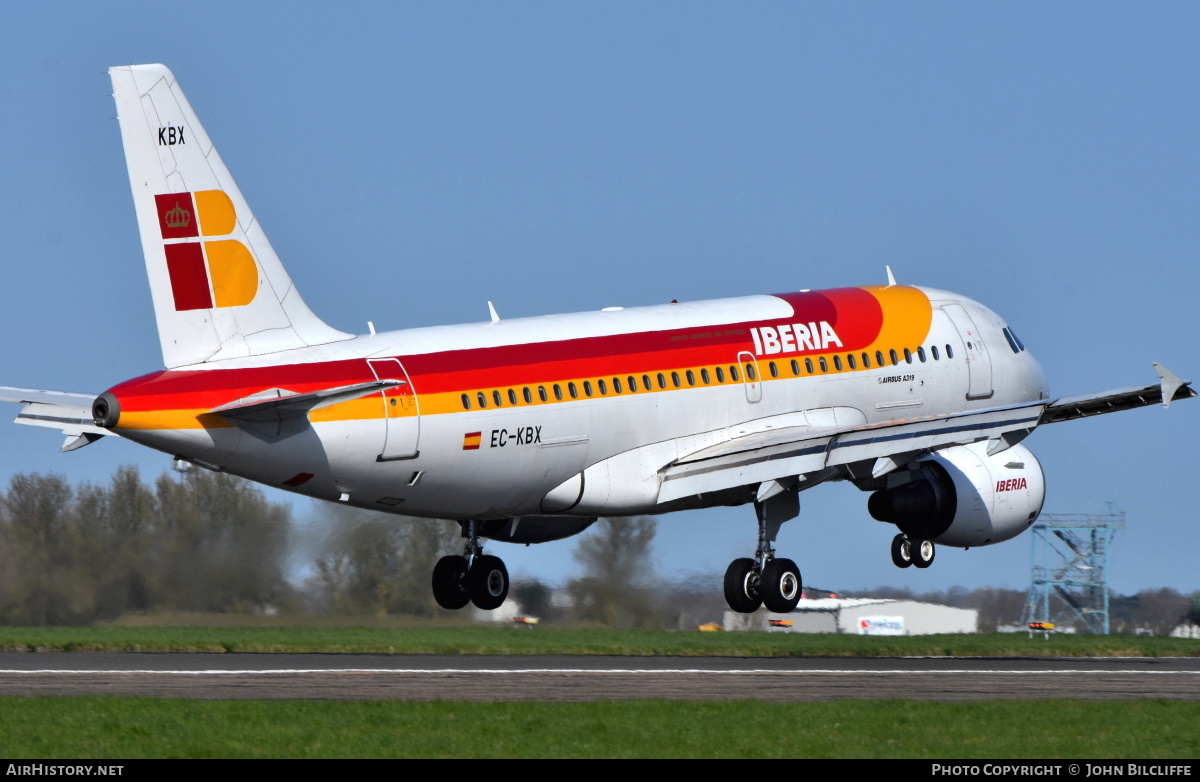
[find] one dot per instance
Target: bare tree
(616, 589)
(380, 564)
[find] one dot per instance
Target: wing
(70, 413)
(806, 454)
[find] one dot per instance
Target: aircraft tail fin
(219, 290)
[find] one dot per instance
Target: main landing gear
(912, 551)
(472, 578)
(765, 580)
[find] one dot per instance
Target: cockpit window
(1013, 342)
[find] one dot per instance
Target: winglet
(1170, 382)
(891, 277)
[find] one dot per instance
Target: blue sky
(412, 161)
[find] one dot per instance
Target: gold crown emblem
(178, 217)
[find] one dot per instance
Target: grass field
(506, 640)
(82, 728)
(112, 727)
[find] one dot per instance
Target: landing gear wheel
(742, 586)
(922, 553)
(488, 582)
(901, 551)
(781, 586)
(450, 582)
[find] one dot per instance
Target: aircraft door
(401, 412)
(750, 376)
(979, 363)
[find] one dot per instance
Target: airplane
(527, 430)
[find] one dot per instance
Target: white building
(862, 616)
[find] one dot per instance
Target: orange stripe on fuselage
(866, 319)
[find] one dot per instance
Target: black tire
(901, 551)
(923, 552)
(781, 586)
(488, 583)
(450, 582)
(741, 586)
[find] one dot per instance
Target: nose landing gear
(471, 578)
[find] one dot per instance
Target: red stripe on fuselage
(854, 312)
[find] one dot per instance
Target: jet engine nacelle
(960, 496)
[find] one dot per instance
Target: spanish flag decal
(471, 441)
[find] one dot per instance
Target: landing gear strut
(471, 578)
(765, 580)
(912, 551)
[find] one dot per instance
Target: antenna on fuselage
(891, 277)
(495, 315)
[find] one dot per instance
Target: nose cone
(1036, 378)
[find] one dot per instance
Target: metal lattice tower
(1070, 563)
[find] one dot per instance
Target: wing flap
(734, 464)
(1169, 389)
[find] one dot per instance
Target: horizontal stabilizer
(277, 403)
(70, 413)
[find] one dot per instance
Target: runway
(587, 678)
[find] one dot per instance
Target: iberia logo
(205, 274)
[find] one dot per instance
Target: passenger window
(774, 369)
(691, 377)
(907, 356)
(935, 352)
(866, 361)
(527, 395)
(808, 365)
(892, 355)
(921, 354)
(879, 358)
(558, 392)
(482, 400)
(587, 387)
(675, 379)
(571, 390)
(704, 376)
(496, 398)
(751, 375)
(542, 393)
(837, 363)
(720, 375)
(662, 381)
(602, 386)
(512, 396)
(850, 360)
(466, 400)
(795, 367)
(949, 352)
(824, 364)
(733, 374)
(616, 385)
